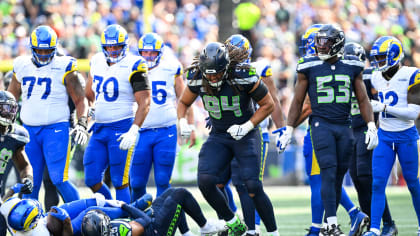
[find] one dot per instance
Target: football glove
(61, 214)
(184, 128)
(239, 131)
(130, 138)
(371, 138)
(16, 188)
(27, 186)
(284, 137)
(208, 122)
(377, 106)
(79, 132)
(115, 203)
(100, 199)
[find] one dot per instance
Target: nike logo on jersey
(402, 79)
(170, 135)
(56, 131)
(55, 68)
(123, 66)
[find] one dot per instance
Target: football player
(163, 219)
(360, 168)
(45, 82)
(397, 132)
(117, 81)
(159, 135)
(329, 81)
(263, 69)
(358, 218)
(227, 88)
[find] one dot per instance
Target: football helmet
(96, 223)
(240, 41)
(308, 40)
(153, 43)
(356, 50)
(213, 63)
(43, 38)
(8, 108)
(329, 41)
(114, 35)
(24, 215)
(390, 48)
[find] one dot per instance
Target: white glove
(377, 106)
(371, 138)
(184, 128)
(80, 134)
(115, 203)
(100, 199)
(239, 131)
(130, 138)
(284, 138)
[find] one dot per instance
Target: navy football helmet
(329, 41)
(8, 108)
(96, 223)
(356, 50)
(213, 63)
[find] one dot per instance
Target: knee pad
(162, 179)
(205, 180)
(241, 189)
(412, 184)
(379, 184)
(329, 174)
(254, 187)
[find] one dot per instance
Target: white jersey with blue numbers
(114, 98)
(40, 228)
(44, 94)
(393, 92)
(162, 111)
(263, 69)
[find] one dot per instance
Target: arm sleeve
(411, 112)
(139, 81)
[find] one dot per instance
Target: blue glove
(208, 122)
(16, 188)
(61, 213)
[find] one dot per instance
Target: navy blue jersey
(9, 143)
(356, 118)
(227, 106)
(330, 86)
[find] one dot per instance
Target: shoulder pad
(245, 72)
(140, 65)
(308, 61)
(354, 61)
(267, 71)
(192, 79)
(19, 133)
(350, 57)
(71, 65)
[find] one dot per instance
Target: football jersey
(393, 92)
(226, 106)
(162, 111)
(9, 143)
(114, 98)
(330, 86)
(263, 69)
(356, 118)
(40, 228)
(44, 94)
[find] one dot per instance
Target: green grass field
(293, 214)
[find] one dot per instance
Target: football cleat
(237, 228)
(389, 229)
(358, 222)
(313, 231)
(212, 227)
(335, 230)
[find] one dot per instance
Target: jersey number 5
(215, 107)
(159, 94)
(327, 92)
